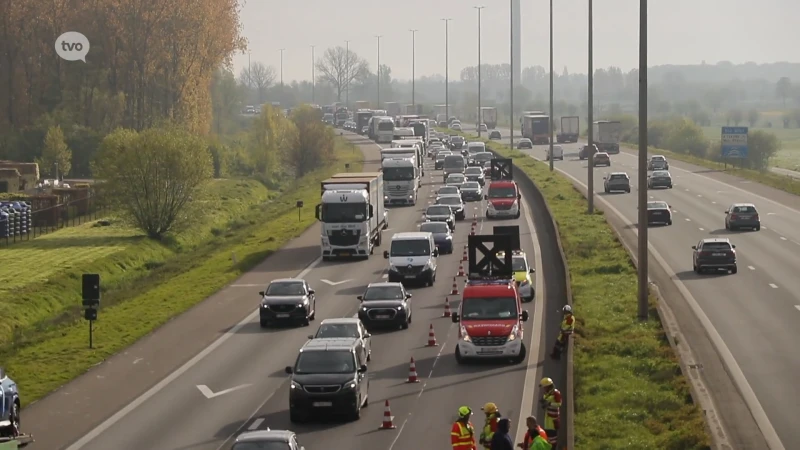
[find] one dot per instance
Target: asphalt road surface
(140, 399)
(757, 310)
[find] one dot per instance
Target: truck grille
(327, 389)
(282, 308)
(490, 341)
(410, 270)
(374, 313)
(344, 237)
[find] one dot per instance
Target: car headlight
(350, 385)
(364, 309)
(464, 335)
(295, 385)
(514, 332)
(264, 305)
(490, 206)
(399, 308)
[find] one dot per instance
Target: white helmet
(567, 309)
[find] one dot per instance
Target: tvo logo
(72, 46)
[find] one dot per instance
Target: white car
(456, 126)
(558, 153)
(455, 179)
(346, 327)
(524, 143)
(483, 128)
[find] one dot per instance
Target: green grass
(629, 391)
(149, 283)
(788, 157)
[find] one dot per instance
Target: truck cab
(490, 314)
(401, 181)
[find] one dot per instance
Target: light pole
(413, 67)
(378, 106)
(447, 69)
(590, 151)
(552, 119)
(347, 75)
(313, 77)
(511, 71)
(479, 8)
(282, 50)
(642, 266)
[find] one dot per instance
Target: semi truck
(362, 104)
(401, 180)
(570, 129)
(352, 215)
(607, 134)
(536, 128)
(413, 109)
(529, 113)
(341, 116)
(362, 119)
(393, 109)
(488, 115)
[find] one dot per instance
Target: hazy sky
(681, 32)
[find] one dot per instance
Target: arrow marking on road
(334, 283)
(208, 393)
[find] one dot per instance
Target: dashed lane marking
(797, 307)
(773, 286)
(688, 219)
(256, 423)
(702, 229)
(783, 238)
(751, 267)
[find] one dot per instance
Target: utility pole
(479, 8)
(249, 73)
(282, 50)
(313, 77)
(413, 67)
(347, 76)
(378, 106)
(590, 177)
(552, 117)
(447, 69)
(511, 71)
(643, 239)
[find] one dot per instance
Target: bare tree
(340, 68)
(262, 77)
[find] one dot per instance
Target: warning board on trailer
(483, 260)
(502, 169)
(510, 230)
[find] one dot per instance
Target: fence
(28, 218)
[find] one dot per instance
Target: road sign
(734, 142)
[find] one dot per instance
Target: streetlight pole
(552, 118)
(642, 259)
(282, 50)
(379, 71)
(590, 151)
(479, 8)
(413, 67)
(347, 75)
(313, 77)
(447, 69)
(511, 70)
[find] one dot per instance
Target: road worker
(462, 435)
(567, 327)
(490, 426)
(551, 403)
(535, 436)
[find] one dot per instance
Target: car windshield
(658, 159)
(336, 361)
(455, 178)
(471, 186)
(385, 292)
(411, 247)
(457, 139)
(398, 173)
(453, 201)
(489, 308)
(743, 210)
(474, 171)
(438, 211)
(337, 330)
(518, 264)
(445, 190)
(525, 141)
(343, 212)
(716, 246)
(286, 288)
(661, 174)
(619, 176)
(502, 192)
(434, 227)
(483, 157)
(261, 445)
(657, 205)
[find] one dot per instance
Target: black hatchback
(714, 254)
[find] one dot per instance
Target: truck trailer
(607, 134)
(536, 128)
(570, 129)
(352, 215)
(488, 115)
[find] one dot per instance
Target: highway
(755, 311)
(142, 399)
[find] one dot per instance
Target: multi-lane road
(756, 311)
(235, 379)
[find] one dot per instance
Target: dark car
(287, 300)
(475, 174)
(657, 162)
(386, 305)
(742, 215)
(455, 203)
(659, 179)
(329, 377)
(9, 407)
(439, 161)
(617, 181)
(487, 170)
(479, 159)
(586, 150)
(456, 142)
(441, 213)
(471, 191)
(442, 235)
(714, 254)
(658, 213)
(267, 440)
(495, 135)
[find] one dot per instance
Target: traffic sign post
(734, 143)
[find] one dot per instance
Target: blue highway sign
(734, 142)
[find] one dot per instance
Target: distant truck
(362, 104)
(401, 179)
(393, 109)
(536, 128)
(352, 215)
(413, 109)
(570, 129)
(606, 136)
(342, 115)
(361, 118)
(488, 115)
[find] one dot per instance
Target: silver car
(455, 203)
(448, 190)
(471, 191)
(441, 213)
(345, 327)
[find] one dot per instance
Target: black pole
(511, 73)
(642, 267)
(552, 117)
(590, 180)
(91, 334)
(479, 8)
(447, 70)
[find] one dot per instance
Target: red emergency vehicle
(502, 195)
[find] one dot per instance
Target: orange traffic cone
(388, 418)
(461, 270)
(447, 312)
(465, 257)
(455, 287)
(412, 372)
(472, 231)
(432, 338)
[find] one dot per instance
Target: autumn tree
(56, 156)
(271, 135)
(153, 175)
(340, 67)
(314, 142)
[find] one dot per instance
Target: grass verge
(629, 390)
(44, 358)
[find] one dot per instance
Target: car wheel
(459, 358)
(305, 322)
(696, 269)
(521, 357)
(669, 222)
(294, 417)
(758, 227)
(727, 227)
(404, 325)
(734, 269)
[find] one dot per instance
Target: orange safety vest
(462, 436)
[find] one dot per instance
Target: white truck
(401, 180)
(607, 134)
(570, 129)
(352, 215)
(406, 149)
(383, 129)
(488, 115)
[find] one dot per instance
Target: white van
(412, 258)
(475, 147)
(558, 153)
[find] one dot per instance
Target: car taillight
(756, 217)
(734, 217)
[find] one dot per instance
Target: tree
(735, 115)
(226, 96)
(153, 175)
(684, 136)
(761, 146)
(340, 68)
(261, 77)
(271, 135)
(313, 143)
(56, 156)
(752, 117)
(783, 89)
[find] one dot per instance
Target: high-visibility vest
(489, 429)
(568, 324)
(462, 436)
(553, 401)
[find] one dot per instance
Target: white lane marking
(765, 228)
(783, 238)
(797, 306)
(119, 415)
(702, 229)
(699, 195)
(208, 393)
(386, 275)
(687, 219)
(773, 286)
(138, 360)
(256, 423)
(751, 267)
(687, 190)
(334, 283)
(714, 202)
(246, 285)
(771, 214)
